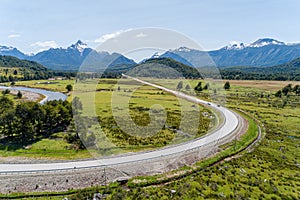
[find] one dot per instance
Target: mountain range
(71, 58)
(261, 53)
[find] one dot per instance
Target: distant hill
(290, 67)
(13, 69)
(156, 68)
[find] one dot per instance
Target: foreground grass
(168, 179)
(52, 149)
(270, 171)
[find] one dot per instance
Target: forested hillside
(14, 69)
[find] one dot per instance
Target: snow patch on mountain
(155, 55)
(183, 49)
(79, 45)
(234, 45)
(5, 48)
(265, 42)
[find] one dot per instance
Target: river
(49, 95)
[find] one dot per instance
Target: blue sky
(34, 25)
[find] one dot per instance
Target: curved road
(49, 95)
(231, 123)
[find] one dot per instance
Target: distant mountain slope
(12, 68)
(292, 67)
(261, 53)
(287, 71)
(11, 51)
(72, 57)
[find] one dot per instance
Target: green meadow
(96, 96)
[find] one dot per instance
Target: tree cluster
(199, 87)
(28, 121)
(288, 89)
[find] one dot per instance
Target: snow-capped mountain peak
(5, 48)
(258, 43)
(235, 46)
(183, 49)
(79, 45)
(265, 42)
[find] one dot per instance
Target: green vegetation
(69, 87)
(19, 95)
(287, 71)
(156, 68)
(270, 171)
(27, 122)
(13, 69)
(5, 92)
(167, 68)
(43, 131)
(140, 105)
(198, 87)
(180, 85)
(136, 185)
(55, 85)
(227, 85)
(142, 99)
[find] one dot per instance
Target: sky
(32, 25)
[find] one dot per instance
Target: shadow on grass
(13, 143)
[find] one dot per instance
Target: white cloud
(44, 45)
(141, 35)
(14, 36)
(109, 36)
(51, 44)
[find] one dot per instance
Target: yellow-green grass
(10, 72)
(54, 85)
(145, 97)
(140, 182)
(262, 84)
(141, 97)
(56, 149)
(270, 171)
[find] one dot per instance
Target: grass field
(54, 85)
(179, 115)
(262, 85)
(139, 100)
(270, 171)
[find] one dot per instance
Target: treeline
(234, 74)
(288, 71)
(28, 122)
(37, 75)
(287, 90)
